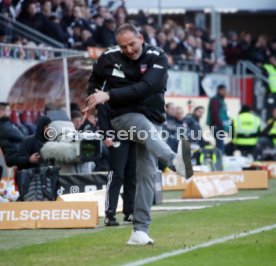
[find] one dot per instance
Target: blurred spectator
(246, 131)
(43, 20)
(161, 40)
(76, 41)
(245, 44)
(141, 18)
(149, 34)
(103, 12)
(56, 8)
(259, 52)
(232, 50)
(56, 31)
(180, 34)
(190, 47)
(120, 15)
(107, 33)
(94, 5)
(270, 72)
(170, 112)
(182, 46)
(3, 35)
(270, 128)
(79, 23)
(30, 50)
(29, 14)
(97, 26)
(272, 47)
(179, 115)
(217, 117)
(5, 6)
(10, 137)
(45, 52)
(198, 51)
(17, 52)
(87, 39)
(77, 119)
(30, 146)
(193, 123)
(208, 55)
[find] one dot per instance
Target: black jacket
(32, 144)
(134, 86)
(195, 133)
(10, 138)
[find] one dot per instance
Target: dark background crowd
(79, 24)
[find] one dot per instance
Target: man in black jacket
(19, 151)
(10, 137)
(30, 146)
(122, 170)
(193, 123)
(134, 76)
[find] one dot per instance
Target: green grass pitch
(171, 230)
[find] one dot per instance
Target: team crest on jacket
(143, 68)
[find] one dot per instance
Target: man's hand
(96, 98)
(108, 142)
(34, 158)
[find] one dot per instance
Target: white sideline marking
(178, 208)
(211, 199)
(202, 245)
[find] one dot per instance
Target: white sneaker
(178, 162)
(140, 238)
(3, 199)
(182, 161)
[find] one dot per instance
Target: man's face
(273, 60)
(222, 92)
(179, 114)
(170, 109)
(130, 44)
(274, 113)
(199, 113)
(5, 112)
(77, 121)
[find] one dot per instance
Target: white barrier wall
(10, 71)
(233, 5)
(182, 83)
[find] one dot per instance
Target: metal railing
(246, 69)
(187, 65)
(36, 53)
(28, 32)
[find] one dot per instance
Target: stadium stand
(44, 30)
(81, 24)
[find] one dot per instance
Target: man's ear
(141, 37)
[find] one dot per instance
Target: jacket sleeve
(104, 118)
(268, 127)
(153, 81)
(24, 154)
(96, 79)
(11, 132)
